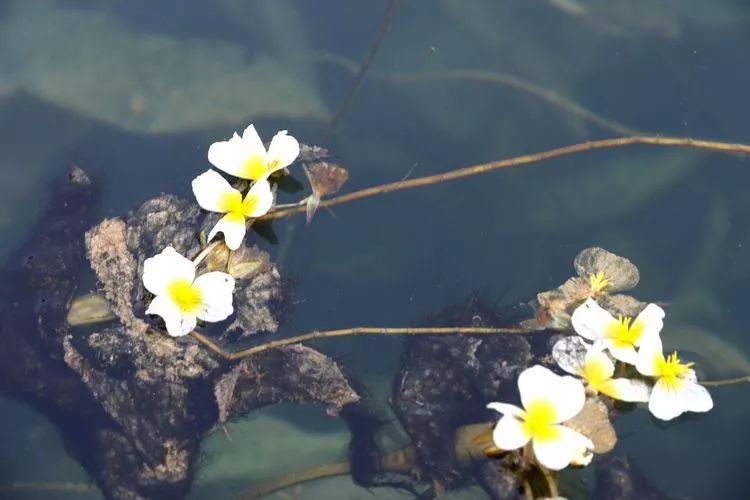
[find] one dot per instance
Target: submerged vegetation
(521, 399)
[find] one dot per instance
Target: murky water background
(134, 92)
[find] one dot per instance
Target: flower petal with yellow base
(548, 400)
(215, 194)
(181, 298)
(596, 369)
(622, 335)
(676, 389)
(246, 157)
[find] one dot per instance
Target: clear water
(134, 92)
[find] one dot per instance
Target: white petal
(652, 321)
(233, 227)
(232, 156)
(210, 189)
(228, 156)
(216, 296)
(566, 394)
(669, 401)
(259, 199)
(282, 151)
(178, 324)
(696, 398)
(649, 356)
(160, 270)
(623, 389)
(251, 141)
(624, 353)
(509, 434)
(590, 320)
(506, 409)
(557, 453)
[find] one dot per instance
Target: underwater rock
(618, 478)
(446, 382)
(117, 250)
(163, 84)
(132, 406)
(252, 383)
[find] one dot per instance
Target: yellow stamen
(186, 296)
(597, 282)
(253, 168)
(539, 420)
(622, 333)
(670, 370)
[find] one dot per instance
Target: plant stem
(729, 381)
(346, 332)
(617, 142)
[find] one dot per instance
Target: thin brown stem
(347, 332)
(729, 381)
(51, 487)
(617, 142)
(551, 482)
(205, 251)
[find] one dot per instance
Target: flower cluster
(631, 348)
(181, 298)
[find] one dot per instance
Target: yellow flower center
(253, 168)
(670, 370)
(231, 202)
(186, 296)
(597, 282)
(539, 420)
(594, 372)
(622, 333)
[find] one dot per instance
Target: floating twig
(51, 487)
(347, 332)
(616, 142)
(729, 381)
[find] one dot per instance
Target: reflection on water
(135, 96)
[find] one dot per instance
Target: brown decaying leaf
(593, 422)
(325, 178)
(620, 273)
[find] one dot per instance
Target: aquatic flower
(548, 400)
(622, 335)
(181, 298)
(215, 194)
(676, 389)
(597, 370)
(247, 158)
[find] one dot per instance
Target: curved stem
(729, 381)
(617, 142)
(346, 332)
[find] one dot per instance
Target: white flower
(676, 389)
(181, 298)
(215, 194)
(619, 335)
(548, 400)
(596, 368)
(247, 158)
